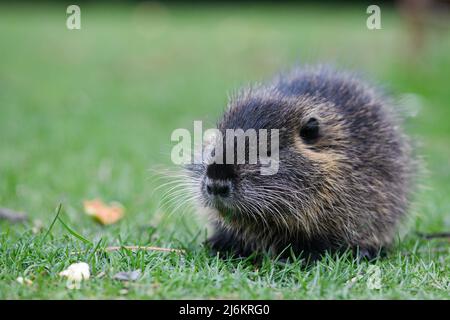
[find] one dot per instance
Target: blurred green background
(88, 113)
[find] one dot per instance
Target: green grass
(89, 113)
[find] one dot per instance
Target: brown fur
(348, 189)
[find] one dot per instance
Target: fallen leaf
(127, 276)
(12, 216)
(76, 273)
(104, 214)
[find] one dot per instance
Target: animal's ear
(310, 131)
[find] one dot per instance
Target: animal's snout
(220, 188)
(219, 179)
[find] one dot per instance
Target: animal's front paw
(227, 245)
(368, 254)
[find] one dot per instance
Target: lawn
(88, 114)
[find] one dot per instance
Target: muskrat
(345, 169)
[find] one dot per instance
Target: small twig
(432, 250)
(116, 248)
(437, 235)
(135, 248)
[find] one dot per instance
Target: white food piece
(76, 272)
(23, 280)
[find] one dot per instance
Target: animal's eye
(309, 132)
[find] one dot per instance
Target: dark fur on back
(348, 189)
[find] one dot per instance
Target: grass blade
(74, 233)
(58, 211)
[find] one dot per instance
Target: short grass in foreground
(89, 114)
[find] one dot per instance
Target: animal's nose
(218, 188)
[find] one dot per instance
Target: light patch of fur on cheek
(209, 215)
(329, 161)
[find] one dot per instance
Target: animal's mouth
(220, 203)
(220, 195)
(227, 213)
